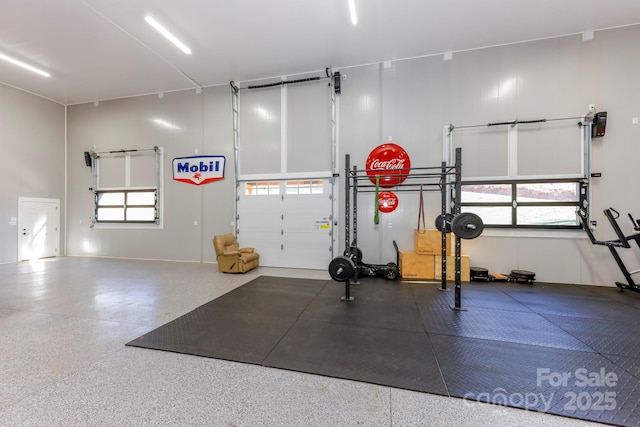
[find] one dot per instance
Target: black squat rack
(444, 178)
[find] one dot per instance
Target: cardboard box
(429, 241)
(465, 268)
(416, 266)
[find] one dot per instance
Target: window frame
(125, 206)
(299, 187)
(158, 188)
(513, 204)
(262, 188)
(513, 177)
(288, 187)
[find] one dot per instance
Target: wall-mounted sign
(198, 170)
(387, 201)
(391, 162)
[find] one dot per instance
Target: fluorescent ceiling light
(352, 11)
(162, 30)
(24, 65)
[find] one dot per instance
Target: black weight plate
(342, 268)
(467, 225)
(523, 274)
(355, 253)
(479, 271)
(448, 217)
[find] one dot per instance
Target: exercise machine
(621, 242)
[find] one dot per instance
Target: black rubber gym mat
(430, 292)
(604, 336)
(511, 341)
(629, 364)
(221, 334)
(372, 289)
(282, 286)
(380, 356)
(558, 381)
(596, 308)
(543, 288)
(376, 314)
(243, 325)
(257, 300)
(555, 289)
(488, 298)
(499, 325)
(615, 294)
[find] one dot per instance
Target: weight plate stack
(523, 276)
(479, 274)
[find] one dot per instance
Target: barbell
(466, 225)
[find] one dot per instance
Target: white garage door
(287, 222)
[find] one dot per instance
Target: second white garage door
(287, 222)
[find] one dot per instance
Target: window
(126, 206)
(530, 204)
(127, 188)
(305, 187)
(272, 188)
(262, 188)
(529, 174)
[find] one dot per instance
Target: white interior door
(290, 229)
(38, 228)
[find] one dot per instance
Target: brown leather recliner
(231, 258)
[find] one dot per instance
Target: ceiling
(103, 49)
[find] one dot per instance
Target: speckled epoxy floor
(64, 323)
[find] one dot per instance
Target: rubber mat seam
(262, 362)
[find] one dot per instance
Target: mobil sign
(198, 170)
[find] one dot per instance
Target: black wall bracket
(336, 83)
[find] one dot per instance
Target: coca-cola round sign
(387, 201)
(391, 162)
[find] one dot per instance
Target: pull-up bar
(335, 77)
(124, 151)
(587, 118)
(284, 82)
(279, 83)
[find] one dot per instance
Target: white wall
(411, 101)
(32, 161)
(202, 125)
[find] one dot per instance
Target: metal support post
(456, 211)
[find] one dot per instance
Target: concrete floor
(64, 323)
